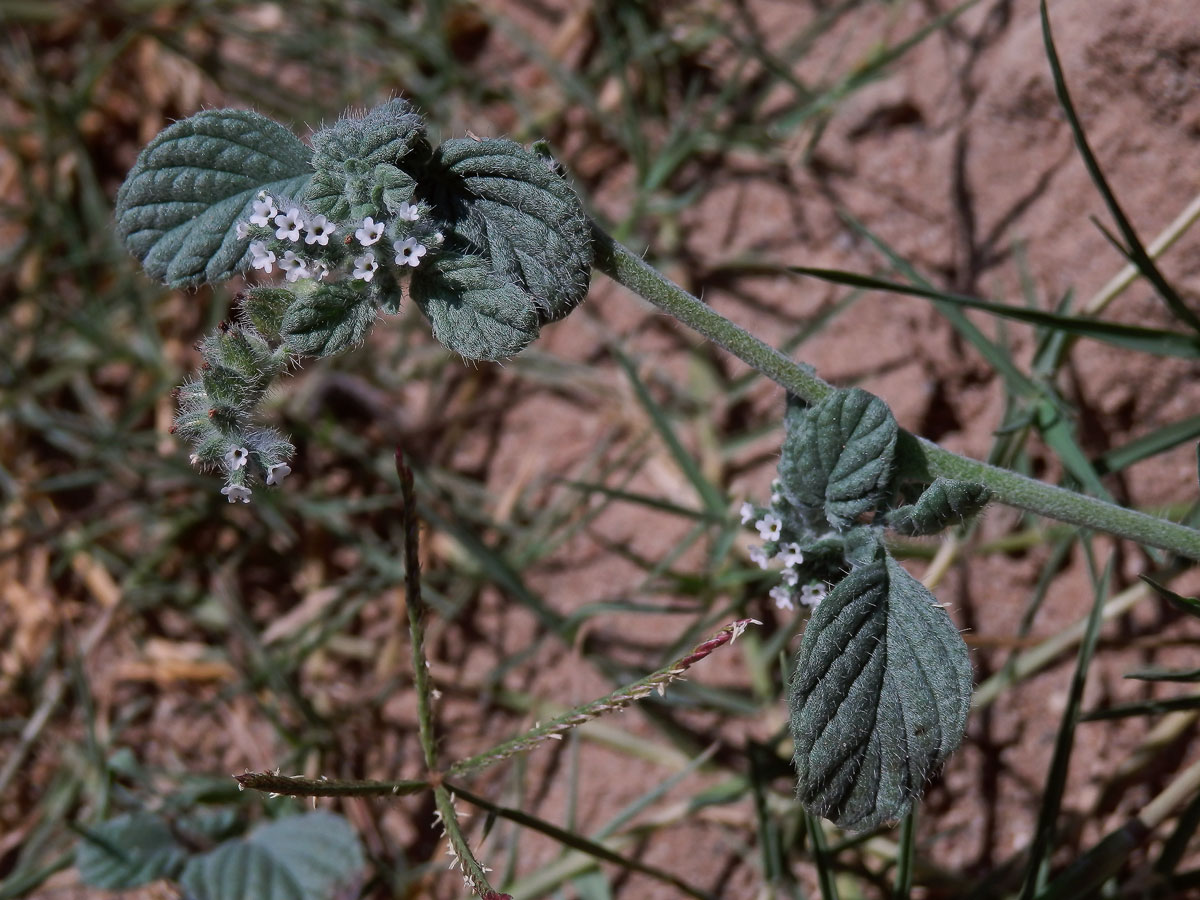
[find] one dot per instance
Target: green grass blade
(578, 842)
(1137, 253)
(826, 877)
(1185, 675)
(1083, 877)
(905, 855)
(1158, 441)
(1175, 847)
(713, 499)
(1189, 605)
(1129, 337)
(1145, 708)
(1056, 779)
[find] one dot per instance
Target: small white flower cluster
(235, 461)
(317, 231)
(408, 251)
(770, 529)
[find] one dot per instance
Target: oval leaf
(304, 857)
(327, 321)
(192, 184)
(879, 697)
(128, 851)
(838, 455)
(510, 206)
(472, 310)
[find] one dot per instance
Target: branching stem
(919, 459)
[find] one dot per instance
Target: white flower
(264, 209)
(812, 594)
(289, 224)
(408, 252)
(278, 472)
(236, 458)
(242, 231)
(263, 258)
(319, 269)
(759, 555)
(319, 231)
(791, 555)
(782, 597)
(747, 512)
(791, 577)
(370, 232)
(365, 266)
(236, 492)
(293, 266)
(768, 526)
(407, 212)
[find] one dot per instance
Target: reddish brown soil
(956, 159)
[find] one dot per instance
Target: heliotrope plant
(490, 242)
(485, 236)
(882, 681)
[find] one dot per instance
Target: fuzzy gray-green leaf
(473, 310)
(305, 857)
(838, 455)
(327, 321)
(510, 206)
(192, 184)
(879, 697)
(128, 851)
(944, 503)
(367, 165)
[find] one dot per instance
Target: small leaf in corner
(128, 851)
(305, 857)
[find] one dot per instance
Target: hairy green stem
(473, 873)
(919, 458)
(415, 607)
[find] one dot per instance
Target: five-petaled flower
(236, 458)
(365, 266)
(759, 555)
(782, 597)
(812, 594)
(236, 492)
(263, 258)
(319, 229)
(408, 252)
(289, 225)
(278, 472)
(747, 512)
(293, 267)
(768, 526)
(264, 210)
(407, 212)
(370, 232)
(791, 555)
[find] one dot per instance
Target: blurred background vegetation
(578, 500)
